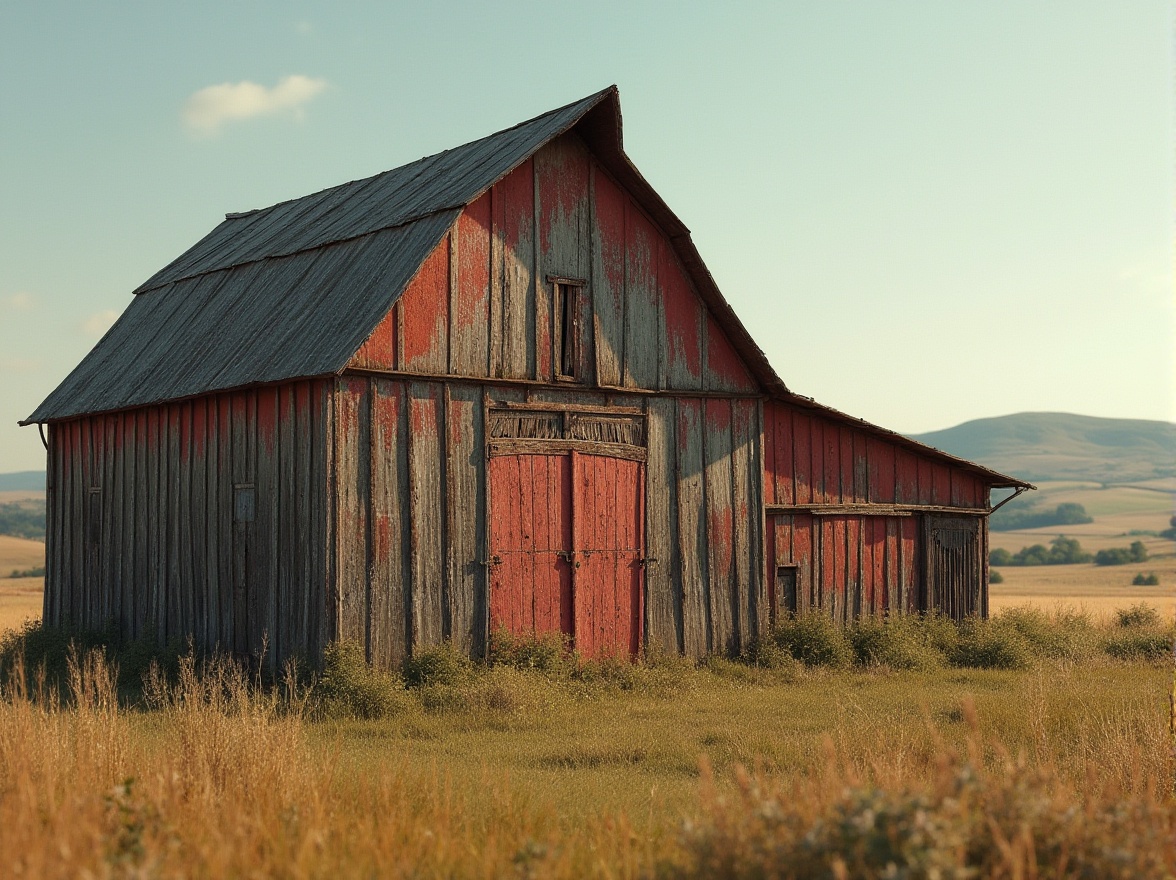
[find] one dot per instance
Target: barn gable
(292, 291)
(484, 302)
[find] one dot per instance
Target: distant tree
(1146, 580)
(1113, 556)
(1000, 556)
(995, 577)
(1138, 551)
(1067, 514)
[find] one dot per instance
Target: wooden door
(531, 544)
(953, 570)
(609, 516)
(566, 549)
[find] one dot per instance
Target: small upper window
(566, 339)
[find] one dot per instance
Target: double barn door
(567, 549)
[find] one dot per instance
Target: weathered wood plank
(692, 526)
(469, 338)
(684, 316)
(264, 589)
(212, 532)
(802, 445)
(465, 506)
(608, 276)
(642, 339)
(424, 310)
(351, 400)
(663, 627)
(724, 367)
(288, 514)
(747, 509)
(242, 530)
(517, 192)
(426, 502)
(226, 528)
(197, 544)
(720, 536)
(389, 637)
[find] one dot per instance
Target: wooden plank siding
(846, 514)
(429, 503)
(810, 459)
(481, 305)
(143, 534)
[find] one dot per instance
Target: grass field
(20, 598)
(621, 774)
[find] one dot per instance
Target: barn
(496, 388)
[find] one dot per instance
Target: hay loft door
(566, 548)
(953, 566)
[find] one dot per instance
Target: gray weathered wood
(692, 541)
(426, 508)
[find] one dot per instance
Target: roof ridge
(235, 215)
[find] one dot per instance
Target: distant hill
(1061, 446)
(23, 481)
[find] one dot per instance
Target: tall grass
(537, 765)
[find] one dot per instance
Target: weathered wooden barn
(494, 388)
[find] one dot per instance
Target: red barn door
(566, 546)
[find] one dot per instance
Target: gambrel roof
(293, 290)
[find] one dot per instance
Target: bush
(443, 664)
(350, 688)
(896, 642)
(1139, 616)
(48, 649)
(984, 645)
(1140, 644)
(1064, 635)
(547, 652)
(813, 639)
(1146, 580)
(995, 577)
(1138, 551)
(1000, 556)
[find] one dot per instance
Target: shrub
(995, 577)
(1146, 580)
(1138, 551)
(1140, 644)
(767, 653)
(984, 645)
(813, 639)
(1138, 616)
(547, 652)
(443, 664)
(1064, 635)
(896, 642)
(351, 688)
(47, 650)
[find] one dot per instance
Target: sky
(925, 212)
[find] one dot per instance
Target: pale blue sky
(926, 212)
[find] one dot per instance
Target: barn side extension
(493, 389)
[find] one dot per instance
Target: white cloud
(208, 109)
(99, 322)
(21, 301)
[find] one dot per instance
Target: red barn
(494, 388)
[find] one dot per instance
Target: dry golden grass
(20, 598)
(517, 774)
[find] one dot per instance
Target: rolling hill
(1060, 446)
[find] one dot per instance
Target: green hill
(1061, 446)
